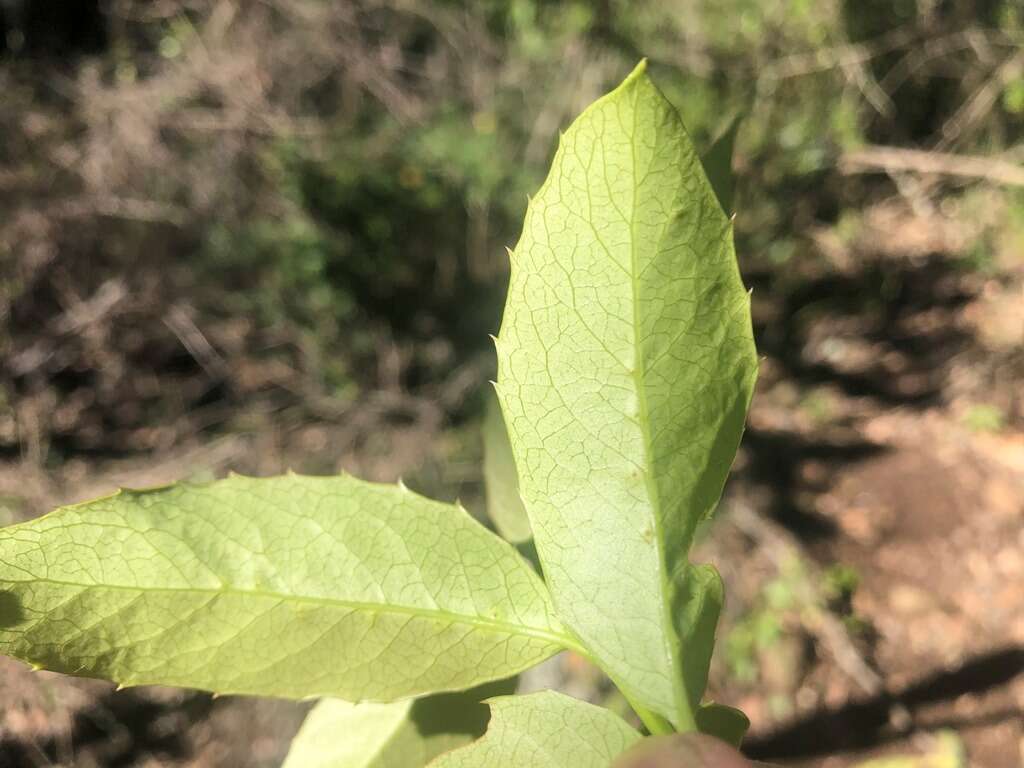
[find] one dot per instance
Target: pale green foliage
(626, 364)
(338, 734)
(717, 162)
(401, 734)
(726, 723)
(544, 730)
(504, 505)
(292, 586)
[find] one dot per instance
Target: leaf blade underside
(501, 482)
(717, 161)
(626, 365)
(726, 723)
(291, 586)
(399, 734)
(544, 730)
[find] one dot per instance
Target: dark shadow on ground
(864, 724)
(119, 729)
(875, 303)
(774, 468)
(891, 306)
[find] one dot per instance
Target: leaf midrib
(355, 605)
(685, 716)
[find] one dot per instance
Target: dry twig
(781, 547)
(897, 159)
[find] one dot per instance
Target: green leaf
(626, 365)
(697, 602)
(290, 586)
(726, 723)
(717, 162)
(544, 730)
(504, 506)
(401, 734)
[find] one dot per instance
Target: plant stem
(655, 723)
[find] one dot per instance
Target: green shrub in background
(385, 206)
(358, 202)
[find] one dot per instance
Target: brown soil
(864, 445)
(933, 526)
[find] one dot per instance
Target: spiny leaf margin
(626, 365)
(292, 586)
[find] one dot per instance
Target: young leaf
(626, 364)
(726, 723)
(504, 506)
(717, 162)
(698, 598)
(290, 586)
(544, 730)
(401, 734)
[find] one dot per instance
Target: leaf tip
(639, 71)
(402, 486)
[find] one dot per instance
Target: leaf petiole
(655, 724)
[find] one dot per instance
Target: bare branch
(981, 101)
(895, 159)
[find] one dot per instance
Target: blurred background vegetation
(269, 234)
